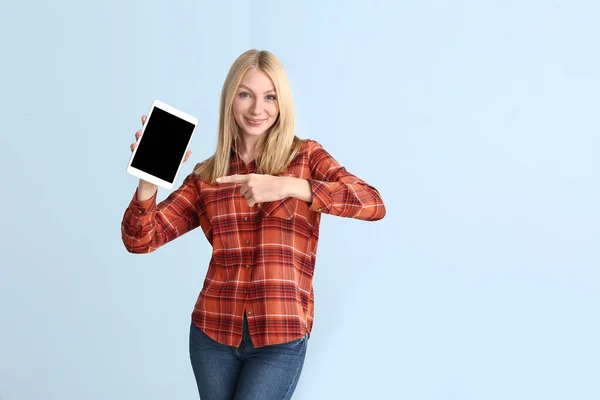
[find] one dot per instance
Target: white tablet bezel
(144, 175)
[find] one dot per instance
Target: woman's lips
(254, 122)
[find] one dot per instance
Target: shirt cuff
(142, 208)
(321, 196)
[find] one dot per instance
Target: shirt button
(245, 291)
(140, 211)
(245, 218)
(247, 241)
(320, 209)
(247, 266)
(249, 313)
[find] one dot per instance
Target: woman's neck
(247, 147)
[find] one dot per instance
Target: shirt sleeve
(146, 226)
(337, 192)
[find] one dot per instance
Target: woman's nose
(256, 107)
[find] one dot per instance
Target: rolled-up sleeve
(337, 192)
(146, 225)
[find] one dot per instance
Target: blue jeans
(245, 373)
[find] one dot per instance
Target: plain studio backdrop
(476, 120)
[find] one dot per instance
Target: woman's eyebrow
(247, 88)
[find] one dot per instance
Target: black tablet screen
(163, 144)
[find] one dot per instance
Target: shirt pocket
(284, 208)
(287, 208)
(284, 223)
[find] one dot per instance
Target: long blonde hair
(279, 145)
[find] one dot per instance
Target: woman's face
(255, 106)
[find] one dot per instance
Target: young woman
(259, 201)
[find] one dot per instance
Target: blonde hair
(279, 145)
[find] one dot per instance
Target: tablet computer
(165, 138)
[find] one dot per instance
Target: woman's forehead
(257, 80)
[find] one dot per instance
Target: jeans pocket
(297, 342)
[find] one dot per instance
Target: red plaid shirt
(263, 257)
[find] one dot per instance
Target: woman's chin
(254, 130)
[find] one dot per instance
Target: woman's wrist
(146, 190)
(297, 188)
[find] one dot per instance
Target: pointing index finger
(233, 179)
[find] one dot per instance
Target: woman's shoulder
(196, 173)
(308, 145)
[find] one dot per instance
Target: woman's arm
(146, 226)
(298, 188)
(335, 191)
(331, 189)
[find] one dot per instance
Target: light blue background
(476, 120)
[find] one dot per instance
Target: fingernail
(219, 179)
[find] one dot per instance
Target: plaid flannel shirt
(263, 257)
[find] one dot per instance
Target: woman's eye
(244, 94)
(271, 97)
